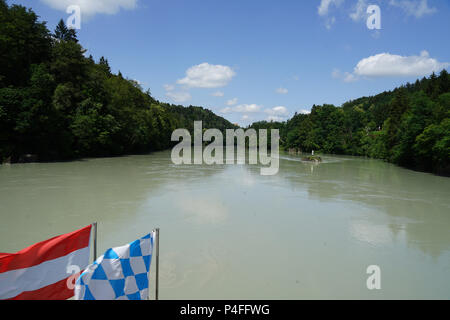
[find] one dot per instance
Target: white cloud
(169, 87)
(176, 96)
(243, 108)
(324, 9)
(390, 65)
(254, 112)
(179, 97)
(349, 77)
(282, 91)
(325, 6)
(360, 11)
(277, 111)
(206, 75)
(232, 102)
(304, 111)
(336, 73)
(417, 8)
(218, 94)
(345, 76)
(386, 64)
(247, 108)
(329, 23)
(93, 7)
(275, 118)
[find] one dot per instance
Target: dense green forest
(58, 104)
(409, 126)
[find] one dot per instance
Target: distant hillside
(409, 126)
(187, 115)
(56, 104)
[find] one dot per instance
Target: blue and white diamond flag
(122, 273)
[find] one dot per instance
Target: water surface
(229, 233)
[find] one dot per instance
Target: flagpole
(157, 263)
(95, 240)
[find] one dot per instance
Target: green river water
(227, 232)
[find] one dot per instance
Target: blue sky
(251, 60)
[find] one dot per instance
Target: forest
(409, 126)
(58, 104)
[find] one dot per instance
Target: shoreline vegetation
(409, 127)
(56, 104)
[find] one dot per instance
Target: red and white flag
(40, 272)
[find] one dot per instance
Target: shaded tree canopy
(62, 32)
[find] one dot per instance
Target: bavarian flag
(122, 273)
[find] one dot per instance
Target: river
(227, 232)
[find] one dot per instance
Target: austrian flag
(40, 272)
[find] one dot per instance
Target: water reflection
(415, 204)
(45, 199)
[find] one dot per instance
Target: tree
(444, 82)
(63, 33)
(68, 63)
(433, 148)
(23, 41)
(418, 117)
(104, 64)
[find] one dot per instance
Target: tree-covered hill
(58, 104)
(409, 126)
